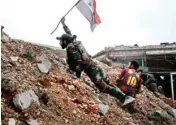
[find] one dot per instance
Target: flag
(88, 9)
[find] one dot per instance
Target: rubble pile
(37, 89)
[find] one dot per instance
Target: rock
(66, 120)
(133, 123)
(25, 99)
(71, 87)
(158, 115)
(63, 61)
(32, 122)
(14, 58)
(11, 121)
(169, 101)
(168, 108)
(8, 85)
(2, 109)
(5, 37)
(42, 68)
(74, 112)
(45, 64)
(88, 82)
(103, 108)
(72, 76)
(172, 121)
(172, 112)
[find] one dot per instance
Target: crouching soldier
(79, 60)
(150, 82)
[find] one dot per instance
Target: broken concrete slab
(24, 100)
(11, 121)
(71, 87)
(14, 58)
(5, 37)
(103, 108)
(45, 64)
(158, 115)
(168, 108)
(42, 68)
(31, 121)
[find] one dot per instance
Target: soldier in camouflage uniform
(79, 60)
(150, 82)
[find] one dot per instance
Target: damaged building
(159, 60)
(153, 58)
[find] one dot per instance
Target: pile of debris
(37, 89)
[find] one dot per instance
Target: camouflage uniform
(79, 60)
(100, 80)
(149, 81)
(77, 56)
(97, 76)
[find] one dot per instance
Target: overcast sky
(123, 22)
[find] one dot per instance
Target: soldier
(129, 80)
(77, 56)
(79, 60)
(149, 81)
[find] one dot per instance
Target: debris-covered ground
(37, 89)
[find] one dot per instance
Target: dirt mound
(37, 89)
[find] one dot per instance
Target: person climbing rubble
(129, 81)
(77, 55)
(79, 60)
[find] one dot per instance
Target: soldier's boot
(125, 100)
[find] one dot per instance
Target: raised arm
(65, 27)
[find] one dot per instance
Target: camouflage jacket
(77, 56)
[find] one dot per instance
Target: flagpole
(65, 16)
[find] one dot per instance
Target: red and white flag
(88, 9)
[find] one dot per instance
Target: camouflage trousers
(98, 77)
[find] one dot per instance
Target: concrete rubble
(11, 121)
(103, 108)
(168, 108)
(49, 95)
(32, 122)
(45, 64)
(25, 99)
(159, 114)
